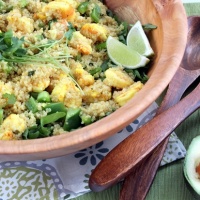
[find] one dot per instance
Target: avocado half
(192, 165)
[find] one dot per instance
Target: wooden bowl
(168, 42)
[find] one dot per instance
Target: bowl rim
(73, 141)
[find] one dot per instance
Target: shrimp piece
(96, 32)
(82, 76)
(59, 10)
(116, 77)
(81, 43)
(66, 91)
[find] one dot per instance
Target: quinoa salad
(55, 73)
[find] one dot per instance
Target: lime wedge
(137, 40)
(122, 55)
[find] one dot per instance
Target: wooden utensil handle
(121, 160)
(136, 185)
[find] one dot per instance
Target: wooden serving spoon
(137, 184)
(129, 153)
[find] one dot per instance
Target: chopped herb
(50, 23)
(109, 13)
(11, 46)
(139, 75)
(12, 51)
(123, 34)
(78, 57)
(104, 65)
(1, 116)
(11, 99)
(148, 27)
(95, 70)
(31, 73)
(69, 33)
(101, 46)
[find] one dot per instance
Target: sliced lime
(122, 55)
(137, 40)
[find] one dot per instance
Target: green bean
(51, 118)
(95, 15)
(31, 104)
(45, 131)
(43, 97)
(56, 107)
(82, 8)
(86, 119)
(72, 120)
(34, 94)
(1, 116)
(31, 133)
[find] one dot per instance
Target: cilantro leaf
(69, 33)
(148, 27)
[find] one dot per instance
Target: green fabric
(169, 183)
